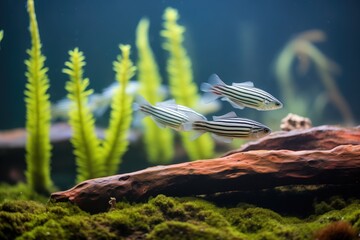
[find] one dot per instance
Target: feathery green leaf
(84, 139)
(116, 143)
(38, 147)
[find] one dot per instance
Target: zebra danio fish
(227, 127)
(167, 114)
(240, 95)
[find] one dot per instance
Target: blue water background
(237, 39)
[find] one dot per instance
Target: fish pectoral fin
(227, 115)
(195, 135)
(236, 105)
(243, 84)
(222, 138)
(159, 124)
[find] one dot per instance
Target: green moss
(163, 218)
(325, 206)
(19, 192)
(51, 230)
(174, 230)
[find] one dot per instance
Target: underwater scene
(179, 119)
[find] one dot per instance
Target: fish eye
(277, 104)
(267, 130)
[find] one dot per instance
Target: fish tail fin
(188, 126)
(205, 87)
(209, 97)
(140, 101)
(215, 80)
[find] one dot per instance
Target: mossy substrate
(161, 217)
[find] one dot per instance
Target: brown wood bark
(239, 171)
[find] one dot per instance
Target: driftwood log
(332, 157)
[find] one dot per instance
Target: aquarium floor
(163, 217)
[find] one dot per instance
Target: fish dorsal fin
(225, 116)
(243, 84)
(215, 80)
(168, 104)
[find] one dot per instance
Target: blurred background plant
(299, 57)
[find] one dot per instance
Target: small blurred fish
(1, 35)
(239, 95)
(100, 102)
(167, 114)
(227, 127)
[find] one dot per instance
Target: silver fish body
(167, 114)
(240, 95)
(229, 126)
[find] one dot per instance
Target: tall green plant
(38, 147)
(159, 144)
(116, 143)
(84, 139)
(182, 86)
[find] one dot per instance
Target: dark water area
(238, 40)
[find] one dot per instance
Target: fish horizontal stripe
(225, 126)
(167, 116)
(229, 128)
(240, 95)
(244, 95)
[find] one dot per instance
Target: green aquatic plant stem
(84, 139)
(116, 143)
(1, 35)
(38, 147)
(159, 143)
(182, 86)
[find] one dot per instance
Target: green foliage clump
(334, 203)
(84, 139)
(162, 218)
(38, 147)
(115, 143)
(159, 144)
(182, 86)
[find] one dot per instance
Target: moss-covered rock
(165, 218)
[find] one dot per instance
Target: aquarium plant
(159, 144)
(116, 143)
(38, 147)
(84, 139)
(182, 86)
(303, 49)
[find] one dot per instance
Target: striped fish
(240, 95)
(167, 114)
(192, 114)
(227, 127)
